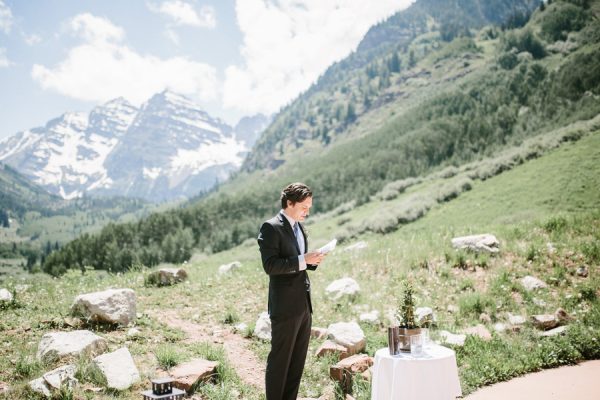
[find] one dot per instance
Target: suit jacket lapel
(304, 236)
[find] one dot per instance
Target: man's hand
(314, 258)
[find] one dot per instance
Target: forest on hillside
(544, 74)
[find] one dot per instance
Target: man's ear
(289, 203)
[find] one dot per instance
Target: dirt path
(248, 367)
(565, 383)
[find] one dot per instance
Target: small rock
(318, 333)
(485, 318)
(544, 321)
(532, 283)
(262, 328)
(186, 376)
(454, 339)
(342, 371)
(118, 368)
(331, 347)
(227, 268)
(39, 386)
(554, 332)
(64, 375)
(479, 330)
(516, 319)
(582, 271)
(452, 308)
(5, 295)
(240, 328)
(478, 243)
(356, 246)
(168, 276)
(562, 316)
(113, 306)
(500, 327)
(133, 333)
(550, 247)
(349, 335)
(345, 287)
(57, 345)
(370, 317)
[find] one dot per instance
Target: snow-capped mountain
(168, 148)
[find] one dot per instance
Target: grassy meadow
(545, 213)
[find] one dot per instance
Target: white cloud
(172, 36)
(183, 13)
(103, 68)
(287, 44)
(32, 39)
(4, 62)
(6, 17)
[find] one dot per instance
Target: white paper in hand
(328, 247)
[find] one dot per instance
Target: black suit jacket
(289, 288)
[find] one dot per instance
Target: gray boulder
(58, 345)
(227, 268)
(345, 287)
(118, 368)
(349, 335)
(113, 306)
(54, 380)
(5, 295)
(531, 283)
(262, 328)
(479, 243)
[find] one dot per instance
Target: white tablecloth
(431, 376)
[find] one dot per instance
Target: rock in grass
(331, 347)
(349, 335)
(113, 306)
(166, 276)
(54, 380)
(531, 283)
(186, 376)
(371, 317)
(544, 321)
(262, 328)
(5, 296)
(227, 268)
(58, 345)
(118, 368)
(480, 331)
(454, 339)
(340, 288)
(486, 243)
(39, 386)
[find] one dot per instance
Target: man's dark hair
(296, 193)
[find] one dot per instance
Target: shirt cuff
(301, 263)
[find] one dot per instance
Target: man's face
(300, 210)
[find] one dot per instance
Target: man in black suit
(282, 242)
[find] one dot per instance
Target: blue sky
(234, 58)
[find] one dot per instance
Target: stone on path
(187, 375)
(57, 345)
(227, 268)
(349, 335)
(113, 306)
(118, 368)
(345, 287)
(478, 243)
(262, 328)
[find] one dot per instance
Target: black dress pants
(289, 343)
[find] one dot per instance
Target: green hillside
(543, 209)
(457, 100)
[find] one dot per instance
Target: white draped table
(433, 375)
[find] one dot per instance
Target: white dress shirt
(300, 240)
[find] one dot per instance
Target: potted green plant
(406, 317)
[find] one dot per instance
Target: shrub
(167, 356)
(473, 304)
(524, 40)
(558, 22)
